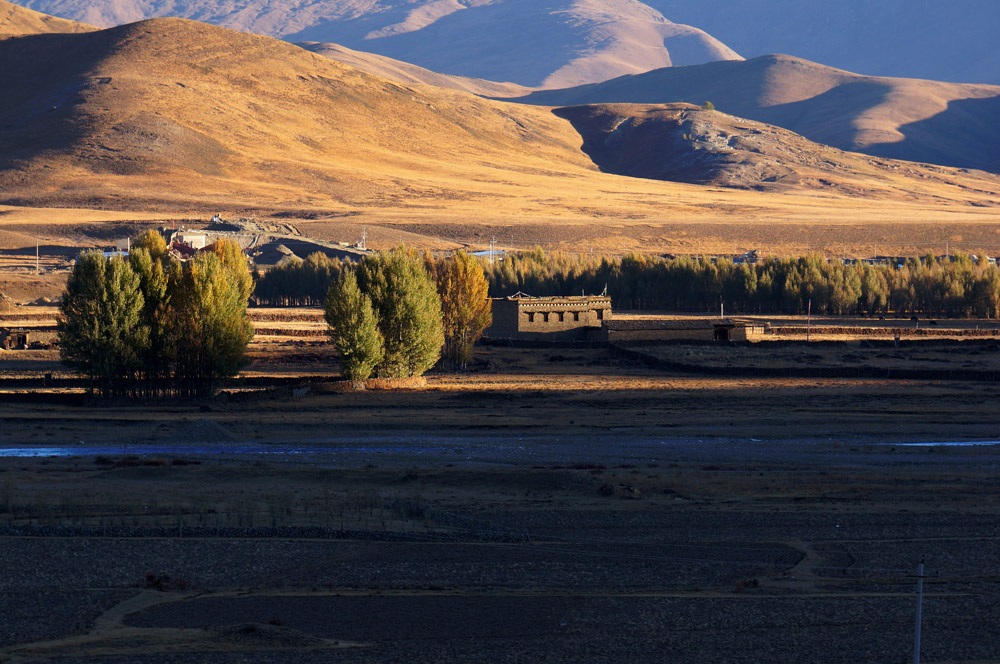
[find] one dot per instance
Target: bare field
(706, 550)
(551, 505)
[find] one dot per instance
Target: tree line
(958, 286)
(298, 283)
(150, 325)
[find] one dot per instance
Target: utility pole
(364, 238)
(809, 313)
(37, 271)
(920, 602)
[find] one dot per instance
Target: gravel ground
(434, 602)
(36, 614)
(709, 577)
(575, 629)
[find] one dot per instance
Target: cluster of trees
(298, 283)
(394, 313)
(151, 325)
(955, 287)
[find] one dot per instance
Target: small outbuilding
(192, 239)
(13, 339)
(23, 338)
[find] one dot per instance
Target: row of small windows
(561, 316)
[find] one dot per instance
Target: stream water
(611, 449)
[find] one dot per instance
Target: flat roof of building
(554, 299)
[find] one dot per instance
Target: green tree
(354, 328)
(151, 263)
(986, 294)
(408, 309)
(210, 322)
(235, 261)
(101, 332)
(465, 306)
(874, 289)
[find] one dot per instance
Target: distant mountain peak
(550, 43)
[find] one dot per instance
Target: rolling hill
(170, 117)
(555, 43)
(16, 21)
(407, 74)
(219, 109)
(686, 143)
(927, 121)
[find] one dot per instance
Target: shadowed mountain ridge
(929, 121)
(686, 143)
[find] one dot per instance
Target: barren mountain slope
(16, 20)
(685, 143)
(404, 72)
(170, 118)
(548, 43)
(194, 110)
(943, 123)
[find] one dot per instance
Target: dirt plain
(549, 505)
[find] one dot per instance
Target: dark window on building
(531, 317)
(600, 314)
(545, 317)
(576, 316)
(562, 317)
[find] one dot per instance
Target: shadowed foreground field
(547, 506)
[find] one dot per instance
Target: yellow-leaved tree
(465, 306)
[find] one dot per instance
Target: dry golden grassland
(333, 149)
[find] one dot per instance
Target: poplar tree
(151, 262)
(232, 257)
(406, 302)
(211, 323)
(353, 328)
(465, 306)
(101, 332)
